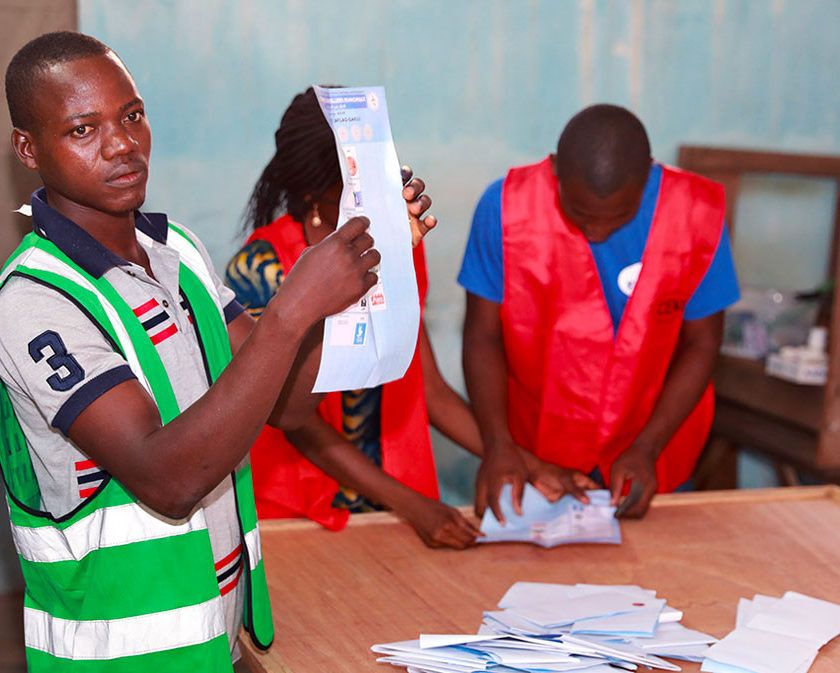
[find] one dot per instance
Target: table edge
(662, 500)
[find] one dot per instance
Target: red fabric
(577, 394)
(285, 483)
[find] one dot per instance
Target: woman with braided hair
(363, 449)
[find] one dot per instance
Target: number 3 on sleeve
(59, 358)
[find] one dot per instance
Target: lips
(127, 175)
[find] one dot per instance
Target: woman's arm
(448, 412)
(437, 524)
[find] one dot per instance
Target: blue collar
(79, 245)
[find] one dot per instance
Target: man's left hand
(636, 464)
(417, 203)
(554, 481)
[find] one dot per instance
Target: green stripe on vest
(50, 586)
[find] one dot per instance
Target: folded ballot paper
(549, 524)
(372, 341)
(775, 635)
(547, 628)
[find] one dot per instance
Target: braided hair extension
(304, 165)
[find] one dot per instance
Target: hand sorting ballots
(515, 466)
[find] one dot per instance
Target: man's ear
(24, 148)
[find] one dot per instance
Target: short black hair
(38, 55)
(605, 147)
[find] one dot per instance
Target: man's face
(598, 217)
(92, 140)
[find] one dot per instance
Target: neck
(115, 231)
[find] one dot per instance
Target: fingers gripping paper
(372, 341)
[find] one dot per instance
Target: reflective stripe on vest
(252, 543)
(110, 527)
(127, 637)
(105, 527)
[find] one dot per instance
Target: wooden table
(336, 594)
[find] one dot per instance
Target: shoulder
(254, 258)
(189, 234)
(491, 198)
(22, 294)
(701, 187)
(55, 350)
(254, 274)
(482, 266)
(185, 242)
(44, 307)
(487, 217)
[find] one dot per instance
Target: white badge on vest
(628, 276)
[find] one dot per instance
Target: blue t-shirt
(618, 258)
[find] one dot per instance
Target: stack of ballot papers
(549, 524)
(775, 635)
(548, 628)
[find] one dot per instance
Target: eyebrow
(134, 101)
(84, 115)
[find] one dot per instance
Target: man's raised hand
(333, 274)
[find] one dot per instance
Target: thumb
(518, 489)
(617, 480)
(480, 497)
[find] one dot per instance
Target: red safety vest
(286, 484)
(578, 394)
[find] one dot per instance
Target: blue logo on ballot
(359, 336)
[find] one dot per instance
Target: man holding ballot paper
(596, 281)
(132, 385)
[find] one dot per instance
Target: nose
(117, 141)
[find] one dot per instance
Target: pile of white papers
(549, 524)
(548, 628)
(775, 635)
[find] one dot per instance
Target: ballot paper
(372, 341)
(760, 652)
(509, 642)
(640, 623)
(775, 635)
(588, 608)
(669, 636)
(747, 608)
(549, 524)
(800, 616)
(535, 593)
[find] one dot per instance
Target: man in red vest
(596, 281)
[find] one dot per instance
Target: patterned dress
(255, 274)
